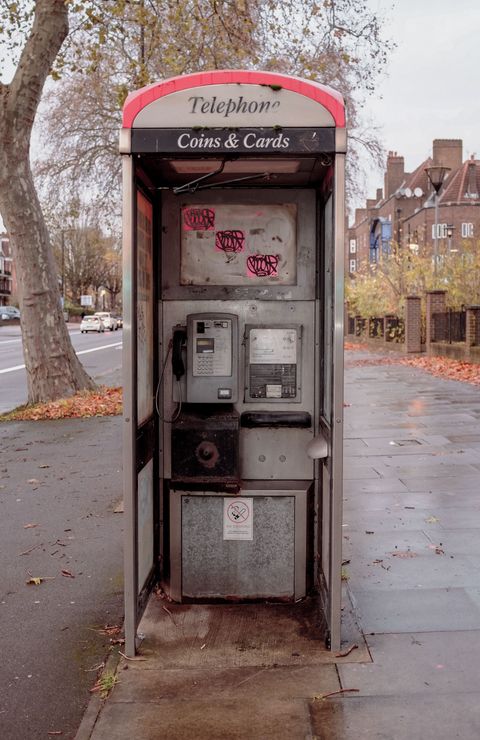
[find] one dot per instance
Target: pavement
(411, 544)
(60, 482)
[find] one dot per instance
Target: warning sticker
(238, 518)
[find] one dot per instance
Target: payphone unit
(212, 358)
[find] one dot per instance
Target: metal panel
(145, 528)
(337, 438)
(257, 141)
(234, 104)
(329, 535)
(286, 538)
(129, 413)
(251, 312)
(275, 454)
(213, 567)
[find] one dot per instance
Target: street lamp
(450, 230)
(436, 175)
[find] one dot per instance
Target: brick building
(6, 271)
(403, 212)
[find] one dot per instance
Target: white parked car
(91, 323)
(9, 312)
(109, 320)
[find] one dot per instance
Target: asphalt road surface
(100, 354)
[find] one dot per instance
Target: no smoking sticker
(238, 518)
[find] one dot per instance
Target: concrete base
(216, 671)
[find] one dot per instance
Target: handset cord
(178, 410)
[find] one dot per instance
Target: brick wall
(413, 323)
(436, 303)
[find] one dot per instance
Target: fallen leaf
(109, 630)
(67, 574)
(33, 480)
(37, 580)
(44, 466)
(404, 554)
(442, 367)
(34, 581)
(432, 520)
(103, 401)
(29, 526)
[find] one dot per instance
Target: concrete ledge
(456, 351)
(376, 344)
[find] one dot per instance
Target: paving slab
(416, 610)
(398, 718)
(417, 663)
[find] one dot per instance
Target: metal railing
(449, 326)
(375, 327)
(394, 329)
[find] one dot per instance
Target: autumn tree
(459, 274)
(112, 280)
(53, 369)
(376, 290)
(129, 44)
(115, 46)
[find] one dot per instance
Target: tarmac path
(59, 484)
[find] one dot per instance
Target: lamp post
(436, 174)
(450, 230)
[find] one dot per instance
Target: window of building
(353, 265)
(467, 230)
(441, 231)
(353, 246)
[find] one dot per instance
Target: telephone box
(233, 227)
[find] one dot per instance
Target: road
(100, 354)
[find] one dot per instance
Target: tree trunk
(53, 369)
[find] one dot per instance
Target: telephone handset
(178, 366)
(212, 357)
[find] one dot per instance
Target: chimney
(371, 203)
(379, 194)
(472, 190)
(448, 153)
(360, 214)
(395, 173)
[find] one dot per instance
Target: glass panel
(144, 309)
(145, 524)
(328, 312)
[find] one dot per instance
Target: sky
(431, 90)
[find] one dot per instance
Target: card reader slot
(255, 419)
